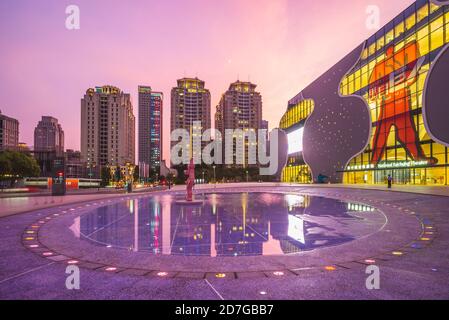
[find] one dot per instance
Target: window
(424, 31)
(433, 7)
(399, 29)
(380, 43)
(424, 45)
(410, 22)
(389, 36)
(437, 34)
(422, 12)
(372, 49)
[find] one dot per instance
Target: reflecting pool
(229, 224)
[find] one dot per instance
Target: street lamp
(215, 180)
(203, 177)
(247, 178)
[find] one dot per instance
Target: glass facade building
(150, 127)
(390, 76)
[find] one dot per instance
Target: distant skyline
(281, 46)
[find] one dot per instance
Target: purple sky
(281, 45)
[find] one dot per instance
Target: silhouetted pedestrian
(390, 181)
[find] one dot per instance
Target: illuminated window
(365, 54)
(437, 34)
(433, 7)
(424, 45)
(372, 49)
(364, 80)
(399, 29)
(380, 43)
(410, 22)
(422, 13)
(424, 31)
(389, 37)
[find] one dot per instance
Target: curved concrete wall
(436, 99)
(339, 127)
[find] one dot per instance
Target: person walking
(390, 181)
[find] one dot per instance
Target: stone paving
(411, 252)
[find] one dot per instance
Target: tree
(181, 178)
(16, 165)
(5, 165)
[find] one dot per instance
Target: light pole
(247, 178)
(215, 179)
(203, 178)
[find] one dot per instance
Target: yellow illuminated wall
(296, 171)
(296, 174)
(427, 31)
(297, 113)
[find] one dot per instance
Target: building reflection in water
(235, 224)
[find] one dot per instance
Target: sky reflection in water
(229, 224)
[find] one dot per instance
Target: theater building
(374, 111)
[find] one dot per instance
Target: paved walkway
(20, 204)
(419, 270)
(428, 190)
(13, 205)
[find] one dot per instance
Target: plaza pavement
(420, 272)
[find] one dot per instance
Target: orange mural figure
(389, 87)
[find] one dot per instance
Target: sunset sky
(280, 45)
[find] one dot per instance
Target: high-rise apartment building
(107, 128)
(240, 107)
(150, 127)
(9, 132)
(190, 102)
(49, 136)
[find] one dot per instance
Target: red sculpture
(190, 182)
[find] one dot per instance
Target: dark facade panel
(436, 99)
